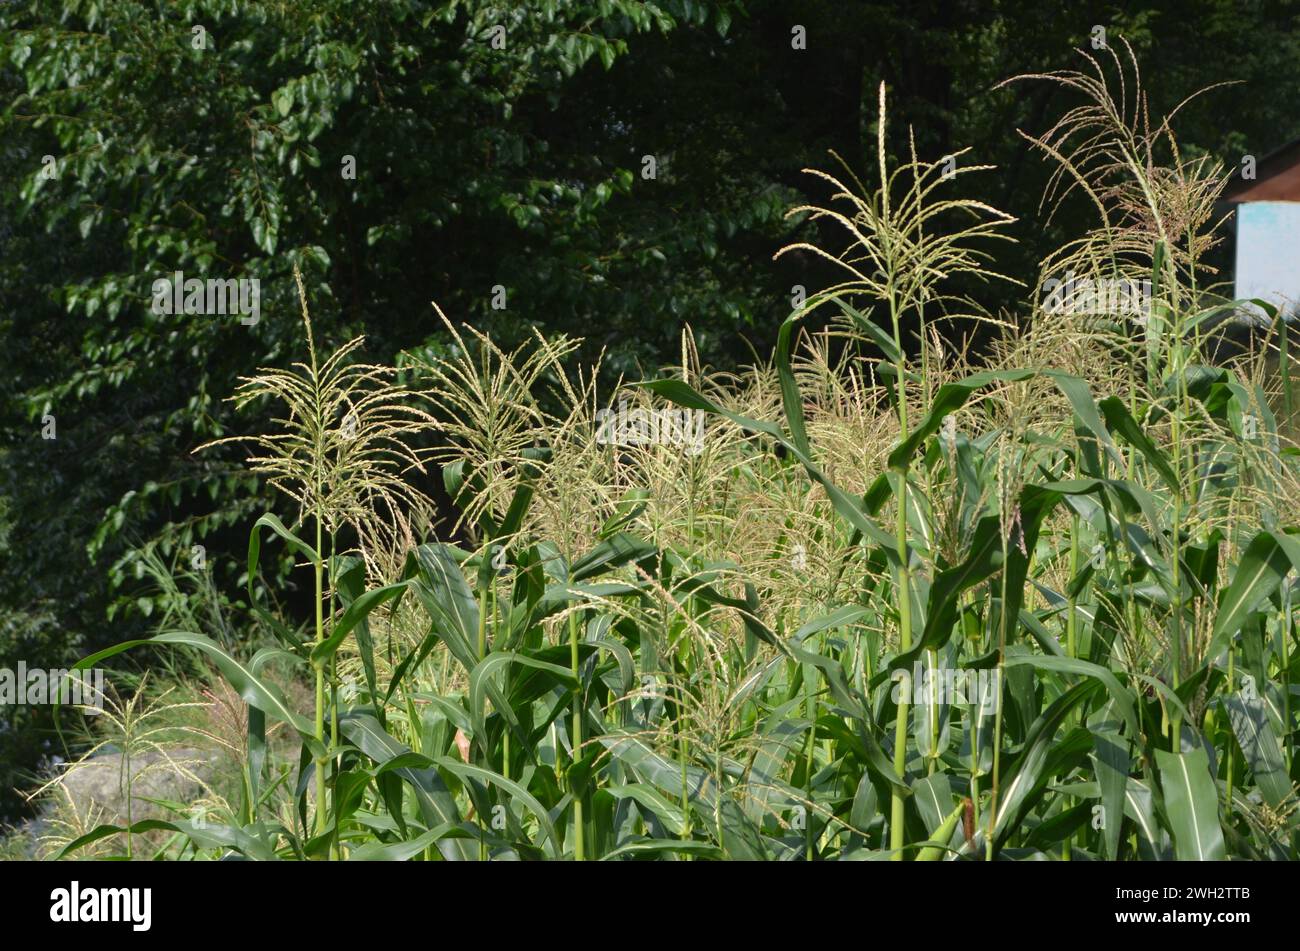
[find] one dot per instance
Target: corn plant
(1040, 607)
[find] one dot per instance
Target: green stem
(810, 703)
(334, 702)
(505, 736)
(997, 715)
(934, 712)
(1286, 672)
(579, 852)
(319, 569)
(1231, 742)
(897, 832)
(717, 798)
(1176, 655)
(1071, 628)
(897, 838)
(482, 623)
(130, 797)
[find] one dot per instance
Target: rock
(100, 783)
(96, 789)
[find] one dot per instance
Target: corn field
(876, 597)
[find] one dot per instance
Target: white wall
(1268, 252)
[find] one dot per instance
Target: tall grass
(655, 649)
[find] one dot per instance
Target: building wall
(1268, 252)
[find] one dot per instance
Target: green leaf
(402, 851)
(356, 612)
(467, 771)
(1024, 780)
(1121, 421)
(1122, 696)
(260, 693)
(255, 545)
(948, 399)
(941, 834)
(791, 399)
(1192, 804)
(481, 686)
(446, 596)
(873, 330)
(1259, 744)
(619, 549)
(1111, 764)
(350, 580)
(1266, 561)
(933, 798)
(435, 802)
(282, 99)
(1085, 408)
(1139, 805)
(208, 836)
(650, 799)
(704, 850)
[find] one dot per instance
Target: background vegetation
(476, 167)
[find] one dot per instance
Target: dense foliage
(683, 629)
(478, 164)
